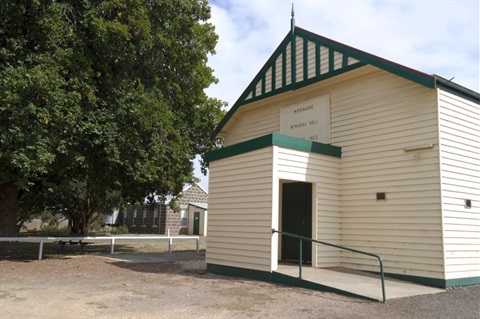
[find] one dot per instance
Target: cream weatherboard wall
(253, 123)
(460, 173)
(374, 120)
(240, 211)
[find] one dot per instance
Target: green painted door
(196, 223)
(297, 219)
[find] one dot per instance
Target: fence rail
(112, 240)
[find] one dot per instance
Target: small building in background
(197, 219)
(159, 218)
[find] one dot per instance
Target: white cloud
(434, 37)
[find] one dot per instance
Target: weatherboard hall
(335, 144)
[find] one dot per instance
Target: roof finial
(292, 21)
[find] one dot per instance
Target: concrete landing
(357, 282)
(157, 257)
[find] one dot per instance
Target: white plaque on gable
(309, 119)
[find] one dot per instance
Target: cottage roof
(199, 205)
(304, 58)
(169, 198)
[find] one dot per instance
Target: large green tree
(103, 95)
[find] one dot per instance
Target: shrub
(119, 230)
(53, 231)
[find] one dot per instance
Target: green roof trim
(289, 142)
(457, 89)
(436, 282)
(367, 58)
(469, 281)
(251, 87)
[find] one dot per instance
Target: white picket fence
(112, 240)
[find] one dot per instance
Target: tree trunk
(8, 210)
(86, 227)
(89, 215)
(75, 226)
(88, 219)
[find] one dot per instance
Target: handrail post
(383, 281)
(301, 258)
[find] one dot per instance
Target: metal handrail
(301, 238)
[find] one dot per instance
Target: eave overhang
(271, 140)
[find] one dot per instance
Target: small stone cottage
(159, 218)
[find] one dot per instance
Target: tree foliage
(102, 97)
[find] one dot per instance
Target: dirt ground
(88, 286)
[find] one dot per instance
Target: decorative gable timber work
(304, 58)
(297, 63)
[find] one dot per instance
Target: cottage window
(144, 215)
(134, 216)
(184, 218)
(155, 216)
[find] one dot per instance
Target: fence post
(112, 245)
(40, 249)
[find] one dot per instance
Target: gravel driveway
(179, 287)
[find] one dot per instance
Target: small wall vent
(381, 196)
(468, 203)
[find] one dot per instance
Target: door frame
(279, 219)
(196, 223)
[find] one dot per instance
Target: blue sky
(435, 37)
